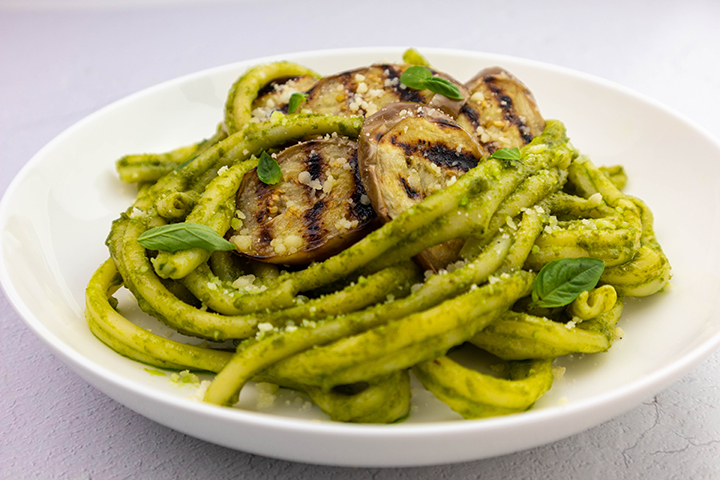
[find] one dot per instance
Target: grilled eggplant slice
(317, 209)
(276, 95)
(501, 112)
(407, 152)
(366, 90)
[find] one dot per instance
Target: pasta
(474, 198)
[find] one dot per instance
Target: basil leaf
(420, 78)
(268, 170)
(183, 236)
(443, 86)
(415, 77)
(295, 100)
(561, 281)
(507, 154)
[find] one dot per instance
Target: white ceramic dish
(57, 212)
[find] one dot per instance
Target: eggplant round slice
(276, 95)
(366, 90)
(407, 152)
(317, 209)
(501, 112)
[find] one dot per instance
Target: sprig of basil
(507, 154)
(421, 78)
(183, 236)
(268, 170)
(296, 99)
(561, 281)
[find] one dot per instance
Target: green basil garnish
(415, 77)
(183, 236)
(421, 78)
(561, 281)
(268, 170)
(295, 100)
(507, 154)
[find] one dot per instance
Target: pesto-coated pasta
(347, 329)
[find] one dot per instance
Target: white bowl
(56, 213)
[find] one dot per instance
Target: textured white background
(59, 65)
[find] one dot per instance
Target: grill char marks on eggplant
(501, 112)
(407, 152)
(315, 211)
(314, 229)
(362, 207)
(366, 90)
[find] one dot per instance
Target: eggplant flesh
(276, 95)
(366, 90)
(408, 152)
(500, 112)
(317, 209)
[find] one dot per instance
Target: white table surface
(58, 65)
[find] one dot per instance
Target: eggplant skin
(366, 90)
(407, 152)
(276, 95)
(317, 209)
(501, 111)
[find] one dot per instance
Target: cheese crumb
(329, 183)
(620, 333)
(265, 395)
(293, 242)
(265, 327)
(345, 224)
(242, 242)
(370, 109)
(278, 245)
(243, 281)
(306, 179)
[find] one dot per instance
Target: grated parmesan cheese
(306, 179)
(242, 242)
(265, 395)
